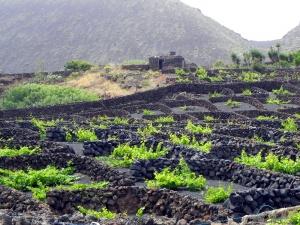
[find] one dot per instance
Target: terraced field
(183, 154)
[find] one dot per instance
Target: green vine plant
(276, 101)
(10, 152)
(266, 118)
(147, 112)
(124, 155)
(85, 135)
(247, 92)
(103, 213)
(281, 91)
(148, 131)
(260, 140)
(140, 212)
(232, 104)
(198, 129)
(43, 125)
(165, 119)
(181, 176)
(250, 77)
(289, 125)
(215, 195)
(186, 141)
(215, 94)
(208, 119)
(271, 162)
(120, 121)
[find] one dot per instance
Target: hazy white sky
(254, 19)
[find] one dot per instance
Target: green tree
(236, 59)
(273, 55)
(247, 59)
(257, 56)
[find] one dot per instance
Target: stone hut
(167, 62)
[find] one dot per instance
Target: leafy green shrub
(42, 125)
(271, 162)
(36, 95)
(281, 91)
(181, 176)
(201, 73)
(262, 141)
(250, 77)
(140, 212)
(37, 181)
(289, 125)
(215, 95)
(104, 213)
(120, 121)
(232, 104)
(147, 112)
(8, 152)
(209, 118)
(217, 194)
(78, 65)
(148, 131)
(80, 187)
(124, 155)
(276, 101)
(247, 92)
(297, 115)
(180, 72)
(198, 129)
(191, 143)
(165, 119)
(86, 135)
(267, 118)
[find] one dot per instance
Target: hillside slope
(291, 41)
(48, 33)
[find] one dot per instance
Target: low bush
(148, 131)
(198, 129)
(181, 176)
(120, 121)
(289, 125)
(191, 143)
(37, 181)
(147, 112)
(232, 104)
(43, 125)
(124, 155)
(180, 72)
(271, 162)
(208, 119)
(266, 118)
(250, 77)
(80, 187)
(37, 95)
(78, 65)
(165, 119)
(8, 152)
(201, 73)
(104, 213)
(86, 135)
(281, 91)
(217, 194)
(276, 101)
(247, 92)
(215, 95)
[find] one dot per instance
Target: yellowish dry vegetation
(96, 83)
